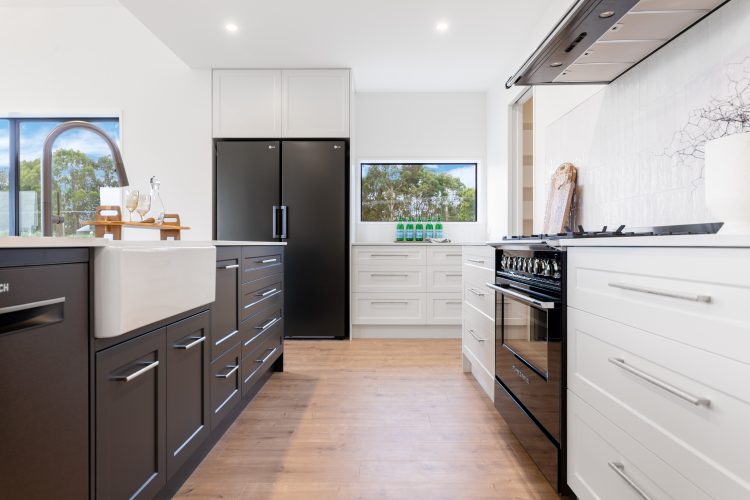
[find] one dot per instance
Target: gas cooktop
(622, 231)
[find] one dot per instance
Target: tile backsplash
(638, 143)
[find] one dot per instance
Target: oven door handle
(522, 297)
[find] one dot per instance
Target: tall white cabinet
(271, 103)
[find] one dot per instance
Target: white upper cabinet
(251, 103)
(247, 103)
(315, 103)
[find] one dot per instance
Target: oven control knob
(519, 264)
(537, 266)
(546, 268)
(556, 269)
(529, 265)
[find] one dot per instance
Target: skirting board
(481, 374)
(406, 331)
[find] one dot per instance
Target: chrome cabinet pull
(620, 363)
(394, 275)
(453, 255)
(267, 325)
(266, 261)
(473, 333)
(521, 297)
(663, 293)
(267, 293)
(195, 342)
(31, 305)
(232, 266)
(389, 302)
(230, 372)
(389, 255)
(227, 336)
(454, 274)
(272, 349)
(475, 261)
(476, 292)
(453, 302)
(145, 368)
(619, 468)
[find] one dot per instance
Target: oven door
(528, 356)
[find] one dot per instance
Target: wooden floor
(369, 419)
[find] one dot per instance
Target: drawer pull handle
(394, 275)
(272, 349)
(232, 266)
(663, 293)
(454, 274)
(228, 336)
(228, 374)
(453, 255)
(475, 261)
(473, 333)
(389, 302)
(522, 297)
(619, 468)
(453, 302)
(476, 292)
(267, 325)
(620, 363)
(266, 261)
(195, 342)
(128, 378)
(405, 255)
(267, 292)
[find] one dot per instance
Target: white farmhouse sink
(139, 283)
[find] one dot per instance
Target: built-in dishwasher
(44, 409)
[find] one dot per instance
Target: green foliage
(392, 191)
(77, 178)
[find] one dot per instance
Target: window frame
(14, 153)
(479, 183)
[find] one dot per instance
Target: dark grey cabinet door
(247, 188)
(225, 385)
(131, 418)
(314, 188)
(188, 364)
(225, 309)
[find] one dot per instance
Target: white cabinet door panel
(445, 257)
(389, 257)
(389, 308)
(315, 103)
(393, 280)
(247, 103)
(444, 280)
(444, 308)
(479, 336)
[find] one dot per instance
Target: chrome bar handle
(662, 293)
(267, 325)
(619, 468)
(521, 297)
(232, 266)
(476, 261)
(267, 292)
(227, 336)
(230, 372)
(389, 255)
(274, 220)
(472, 332)
(697, 401)
(266, 261)
(31, 305)
(393, 275)
(454, 274)
(195, 342)
(476, 292)
(389, 302)
(128, 378)
(272, 349)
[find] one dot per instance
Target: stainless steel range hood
(599, 40)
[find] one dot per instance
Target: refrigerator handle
(283, 222)
(274, 220)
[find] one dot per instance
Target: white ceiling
(391, 45)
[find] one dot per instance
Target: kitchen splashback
(638, 143)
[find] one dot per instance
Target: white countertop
(417, 243)
(51, 242)
(227, 243)
(677, 241)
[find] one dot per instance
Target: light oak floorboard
(369, 419)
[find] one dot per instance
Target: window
(393, 190)
(81, 165)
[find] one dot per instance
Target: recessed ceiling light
(441, 27)
(606, 14)
(232, 28)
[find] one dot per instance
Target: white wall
(420, 127)
(79, 60)
(626, 139)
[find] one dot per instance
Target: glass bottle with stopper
(157, 204)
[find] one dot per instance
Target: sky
(465, 172)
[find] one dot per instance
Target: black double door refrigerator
(294, 191)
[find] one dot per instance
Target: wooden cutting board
(560, 198)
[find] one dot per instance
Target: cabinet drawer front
(262, 357)
(444, 280)
(480, 256)
(389, 257)
(651, 292)
(225, 384)
(631, 376)
(389, 308)
(605, 462)
(224, 310)
(394, 280)
(258, 262)
(477, 293)
(479, 336)
(261, 294)
(257, 328)
(447, 257)
(188, 361)
(444, 308)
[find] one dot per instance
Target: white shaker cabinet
(271, 103)
(247, 103)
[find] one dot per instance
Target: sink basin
(139, 283)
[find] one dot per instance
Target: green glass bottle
(400, 229)
(419, 230)
(438, 228)
(429, 230)
(409, 230)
